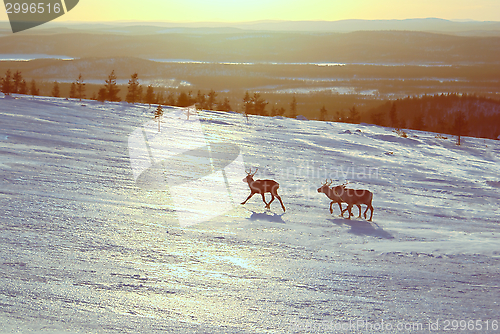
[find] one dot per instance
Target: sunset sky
(295, 10)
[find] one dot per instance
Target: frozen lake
(84, 248)
(29, 56)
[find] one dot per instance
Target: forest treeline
(452, 113)
(476, 116)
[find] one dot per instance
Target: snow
(84, 248)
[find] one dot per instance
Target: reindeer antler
(250, 172)
(345, 184)
(328, 183)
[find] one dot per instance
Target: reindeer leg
(331, 209)
(349, 206)
(371, 213)
(272, 199)
(264, 199)
(359, 208)
(341, 211)
(249, 196)
(281, 202)
(268, 206)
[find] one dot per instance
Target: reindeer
(325, 189)
(262, 187)
(355, 197)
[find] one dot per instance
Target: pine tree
(80, 87)
(201, 101)
(190, 98)
(183, 100)
(340, 116)
(170, 99)
(133, 89)
(354, 116)
(112, 88)
(274, 111)
(23, 87)
(72, 91)
(225, 106)
(460, 127)
(55, 90)
(150, 95)
(16, 84)
(157, 115)
(378, 118)
(293, 107)
(7, 83)
(211, 99)
(160, 99)
(102, 94)
(33, 90)
(247, 101)
(322, 114)
(259, 105)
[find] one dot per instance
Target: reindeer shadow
(362, 228)
(267, 216)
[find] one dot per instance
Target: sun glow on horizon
(233, 11)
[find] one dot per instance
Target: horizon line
(270, 21)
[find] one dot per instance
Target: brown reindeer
(355, 197)
(262, 187)
(325, 189)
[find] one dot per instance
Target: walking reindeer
(355, 197)
(325, 189)
(262, 187)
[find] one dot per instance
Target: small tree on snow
(293, 107)
(80, 87)
(112, 88)
(133, 89)
(247, 101)
(157, 115)
(460, 126)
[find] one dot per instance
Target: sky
(294, 10)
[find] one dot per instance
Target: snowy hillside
(84, 248)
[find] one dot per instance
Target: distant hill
(427, 24)
(470, 28)
(355, 47)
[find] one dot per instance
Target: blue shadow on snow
(363, 227)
